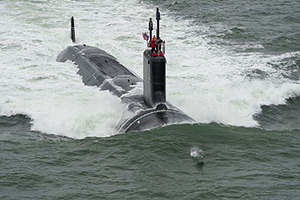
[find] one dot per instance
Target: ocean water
(232, 66)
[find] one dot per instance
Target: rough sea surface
(233, 66)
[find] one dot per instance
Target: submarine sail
(146, 110)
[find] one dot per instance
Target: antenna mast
(72, 30)
(157, 18)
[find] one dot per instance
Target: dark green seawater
(273, 24)
(241, 163)
(261, 162)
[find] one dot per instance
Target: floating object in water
(197, 152)
(150, 108)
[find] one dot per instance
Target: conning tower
(154, 69)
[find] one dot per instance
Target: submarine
(146, 109)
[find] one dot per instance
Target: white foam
(206, 81)
(58, 103)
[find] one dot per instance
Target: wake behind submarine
(145, 110)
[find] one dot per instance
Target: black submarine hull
(98, 68)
